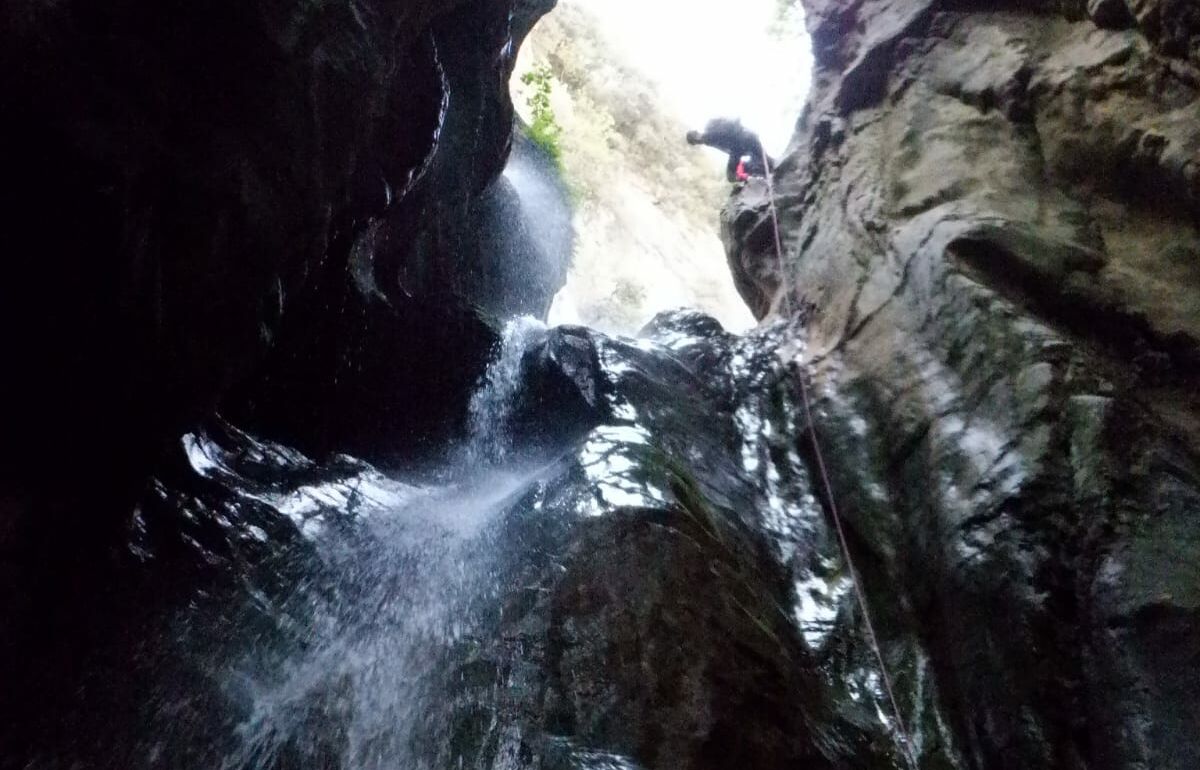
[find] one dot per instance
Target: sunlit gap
(626, 80)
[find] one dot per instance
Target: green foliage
(544, 131)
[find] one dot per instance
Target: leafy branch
(544, 131)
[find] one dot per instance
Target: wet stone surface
(657, 590)
(982, 215)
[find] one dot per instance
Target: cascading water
(403, 642)
(544, 202)
(491, 406)
(361, 692)
(621, 561)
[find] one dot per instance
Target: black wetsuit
(729, 136)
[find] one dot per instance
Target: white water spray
(363, 689)
(491, 408)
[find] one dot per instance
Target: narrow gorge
(296, 475)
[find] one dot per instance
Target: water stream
(522, 606)
(407, 583)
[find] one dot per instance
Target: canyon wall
(269, 207)
(283, 487)
(989, 219)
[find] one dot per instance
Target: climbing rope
(904, 741)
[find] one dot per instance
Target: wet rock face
(184, 179)
(411, 315)
(989, 223)
(177, 175)
(655, 588)
(258, 204)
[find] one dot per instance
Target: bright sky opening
(749, 59)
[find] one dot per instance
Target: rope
(905, 742)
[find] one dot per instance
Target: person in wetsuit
(745, 150)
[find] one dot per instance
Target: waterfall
(491, 407)
(544, 207)
(363, 691)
